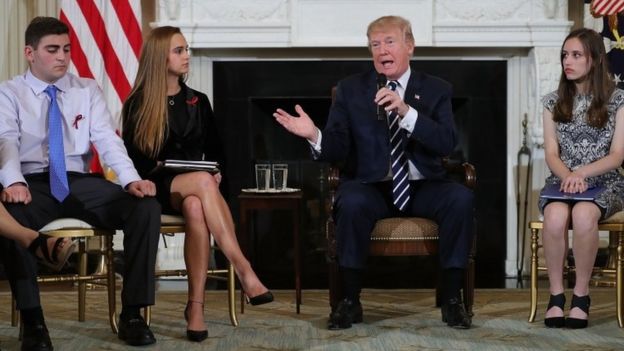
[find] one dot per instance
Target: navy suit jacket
(359, 141)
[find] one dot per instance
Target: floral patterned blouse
(581, 144)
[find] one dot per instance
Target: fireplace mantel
(527, 34)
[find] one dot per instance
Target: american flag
(606, 7)
(105, 38)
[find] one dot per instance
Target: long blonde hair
(148, 96)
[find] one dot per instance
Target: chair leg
(231, 285)
(110, 282)
(147, 314)
(618, 282)
(469, 285)
(533, 308)
(82, 271)
(335, 286)
(15, 317)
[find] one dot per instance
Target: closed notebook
(551, 191)
(183, 166)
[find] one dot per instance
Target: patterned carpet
(393, 320)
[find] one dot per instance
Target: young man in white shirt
(28, 176)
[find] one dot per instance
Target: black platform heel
(194, 335)
(583, 303)
(556, 301)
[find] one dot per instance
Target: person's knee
(351, 203)
(192, 209)
(462, 200)
(206, 182)
(149, 206)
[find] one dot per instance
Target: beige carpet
(393, 320)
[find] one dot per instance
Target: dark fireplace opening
(248, 92)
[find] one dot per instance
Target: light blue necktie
(400, 169)
(58, 172)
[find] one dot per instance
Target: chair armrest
(464, 171)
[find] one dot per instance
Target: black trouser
(102, 204)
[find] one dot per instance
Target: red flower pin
(192, 101)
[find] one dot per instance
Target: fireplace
(246, 93)
(523, 36)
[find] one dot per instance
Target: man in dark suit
(392, 164)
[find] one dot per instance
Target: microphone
(381, 82)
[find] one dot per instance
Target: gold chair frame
(171, 225)
(80, 230)
(615, 226)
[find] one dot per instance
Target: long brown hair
(148, 113)
(600, 85)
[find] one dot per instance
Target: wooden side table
(271, 201)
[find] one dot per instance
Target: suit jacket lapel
(412, 91)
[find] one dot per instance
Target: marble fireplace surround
(527, 34)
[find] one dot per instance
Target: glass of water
(280, 175)
(263, 176)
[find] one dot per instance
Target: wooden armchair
(400, 236)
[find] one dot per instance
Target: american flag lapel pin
(417, 97)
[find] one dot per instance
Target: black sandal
(556, 301)
(60, 255)
(583, 303)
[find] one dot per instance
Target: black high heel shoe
(194, 335)
(259, 299)
(583, 303)
(556, 301)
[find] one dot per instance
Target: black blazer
(199, 139)
(359, 141)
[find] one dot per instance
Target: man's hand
(141, 188)
(301, 125)
(16, 193)
(391, 101)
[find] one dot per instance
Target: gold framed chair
(614, 268)
(171, 225)
(81, 231)
(401, 236)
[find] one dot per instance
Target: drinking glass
(263, 176)
(280, 175)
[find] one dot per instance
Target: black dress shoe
(135, 332)
(454, 314)
(36, 338)
(346, 313)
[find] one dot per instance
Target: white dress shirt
(86, 119)
(407, 122)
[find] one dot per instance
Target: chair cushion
(66, 223)
(171, 220)
(617, 217)
(405, 228)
